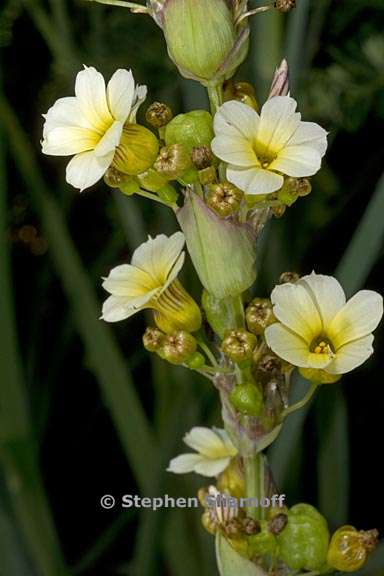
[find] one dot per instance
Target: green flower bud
(247, 399)
(137, 150)
(349, 549)
(178, 347)
(292, 189)
(259, 314)
(193, 129)
(173, 161)
(238, 345)
(158, 115)
(212, 243)
(202, 36)
(153, 339)
(303, 544)
(224, 198)
(196, 361)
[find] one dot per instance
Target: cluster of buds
(178, 347)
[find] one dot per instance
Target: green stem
(206, 349)
(216, 96)
(255, 484)
(155, 198)
(302, 402)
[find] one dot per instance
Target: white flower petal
(211, 467)
(184, 463)
(110, 140)
(69, 140)
(254, 180)
(287, 345)
(295, 308)
(65, 112)
(209, 443)
(312, 135)
(327, 293)
(159, 255)
(120, 94)
(351, 355)
(278, 123)
(86, 169)
(234, 150)
(236, 119)
(358, 318)
(128, 281)
(297, 161)
(91, 93)
(116, 308)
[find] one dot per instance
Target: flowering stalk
(224, 174)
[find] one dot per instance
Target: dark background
(84, 410)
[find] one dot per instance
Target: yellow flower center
(264, 155)
(322, 345)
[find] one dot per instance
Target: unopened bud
(158, 115)
(224, 198)
(247, 399)
(178, 347)
(202, 157)
(292, 189)
(259, 315)
(280, 82)
(238, 345)
(277, 523)
(196, 361)
(173, 161)
(289, 278)
(241, 91)
(285, 5)
(153, 339)
(137, 150)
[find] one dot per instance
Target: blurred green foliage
(83, 410)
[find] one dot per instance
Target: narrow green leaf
(296, 41)
(365, 246)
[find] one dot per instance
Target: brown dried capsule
(285, 5)
(224, 198)
(202, 157)
(158, 115)
(277, 523)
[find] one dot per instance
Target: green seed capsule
(196, 361)
(247, 399)
(178, 347)
(238, 345)
(303, 543)
(153, 339)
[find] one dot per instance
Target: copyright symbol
(107, 502)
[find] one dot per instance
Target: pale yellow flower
(214, 451)
(261, 149)
(89, 126)
(318, 329)
(150, 281)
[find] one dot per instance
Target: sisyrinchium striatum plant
(224, 173)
